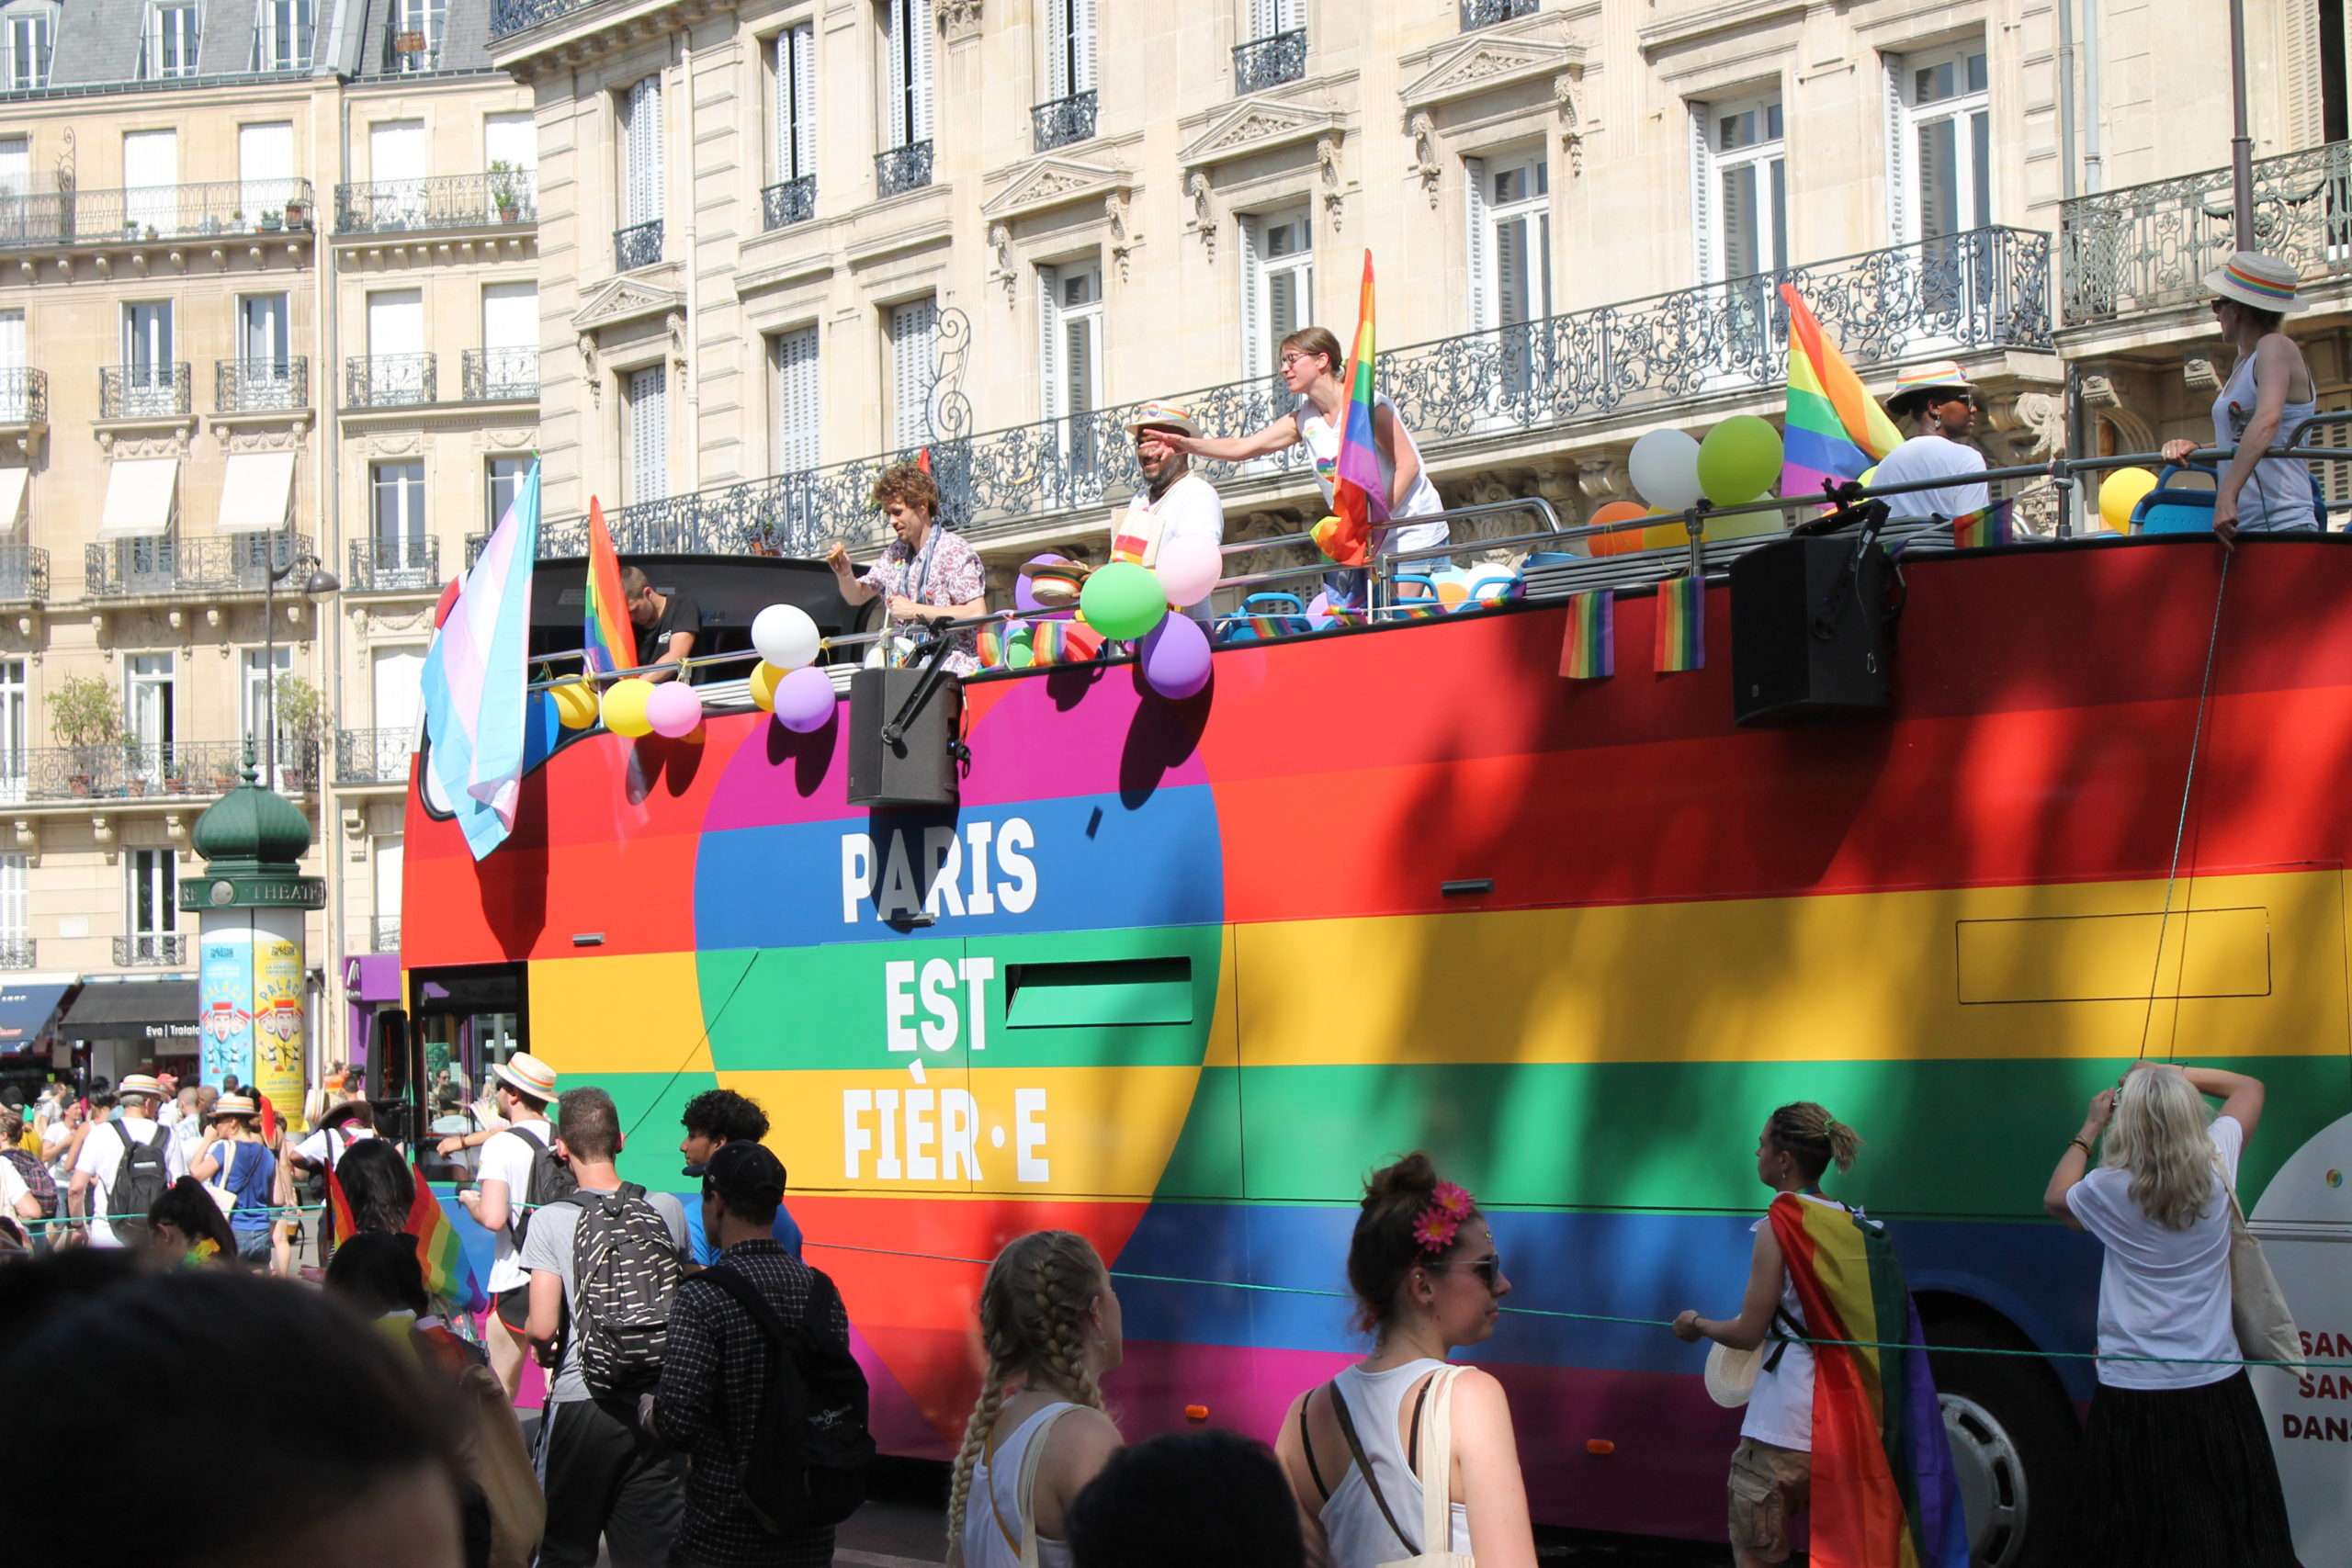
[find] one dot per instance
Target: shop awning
(12, 499)
(154, 1011)
(255, 491)
(139, 492)
(26, 1010)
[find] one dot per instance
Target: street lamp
(317, 585)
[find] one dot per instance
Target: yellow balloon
(624, 707)
(2120, 492)
(575, 703)
(762, 683)
(1870, 476)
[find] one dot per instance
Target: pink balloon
(1189, 566)
(1175, 658)
(804, 700)
(674, 709)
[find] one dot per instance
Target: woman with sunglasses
(1934, 406)
(2269, 390)
(1427, 1280)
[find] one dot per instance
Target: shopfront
(133, 1025)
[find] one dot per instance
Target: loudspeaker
(918, 767)
(1808, 631)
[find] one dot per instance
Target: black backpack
(37, 1182)
(550, 1181)
(810, 1449)
(625, 1267)
(139, 1179)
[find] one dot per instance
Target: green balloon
(1740, 460)
(1122, 600)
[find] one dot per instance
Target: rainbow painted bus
(1177, 975)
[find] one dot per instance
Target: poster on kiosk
(250, 1002)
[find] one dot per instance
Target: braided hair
(1814, 1138)
(1033, 1309)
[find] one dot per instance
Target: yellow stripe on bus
(618, 1013)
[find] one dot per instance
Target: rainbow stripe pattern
(603, 609)
(1981, 528)
(1885, 1494)
(1589, 652)
(1681, 639)
(1834, 429)
(1358, 498)
(449, 1277)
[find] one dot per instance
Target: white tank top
(983, 1542)
(1352, 1522)
(2278, 494)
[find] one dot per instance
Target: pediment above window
(1258, 124)
(1536, 49)
(629, 298)
(1042, 184)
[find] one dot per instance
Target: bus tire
(2015, 1443)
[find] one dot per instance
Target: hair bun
(1414, 1176)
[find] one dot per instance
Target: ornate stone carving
(959, 20)
(676, 323)
(1563, 96)
(1255, 126)
(1196, 191)
(2030, 426)
(588, 367)
(1001, 247)
(122, 447)
(265, 438)
(519, 440)
(1603, 477)
(1327, 164)
(396, 444)
(1425, 163)
(1123, 239)
(2197, 372)
(624, 299)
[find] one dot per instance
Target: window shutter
(649, 434)
(1254, 359)
(1057, 45)
(804, 99)
(798, 410)
(1898, 158)
(2306, 106)
(1049, 337)
(912, 328)
(920, 10)
(894, 27)
(1083, 48)
(643, 140)
(786, 116)
(1473, 189)
(1706, 266)
(1077, 369)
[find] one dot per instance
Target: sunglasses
(1489, 1268)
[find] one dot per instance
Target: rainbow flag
(605, 628)
(1834, 429)
(1986, 527)
(1885, 1494)
(447, 1275)
(1358, 498)
(1682, 626)
(1589, 652)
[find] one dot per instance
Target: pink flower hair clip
(1438, 1224)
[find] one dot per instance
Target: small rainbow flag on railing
(1980, 529)
(1590, 651)
(1681, 625)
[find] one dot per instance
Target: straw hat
(1169, 416)
(2264, 283)
(139, 1083)
(526, 1074)
(1910, 383)
(235, 1105)
(1731, 1375)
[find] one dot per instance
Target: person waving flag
(605, 629)
(1358, 499)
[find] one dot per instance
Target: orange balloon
(1622, 543)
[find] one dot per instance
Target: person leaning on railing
(2270, 389)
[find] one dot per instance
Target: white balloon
(1664, 466)
(785, 637)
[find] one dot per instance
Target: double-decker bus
(1176, 976)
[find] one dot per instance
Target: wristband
(2078, 1144)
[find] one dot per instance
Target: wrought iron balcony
(151, 950)
(383, 933)
(1063, 121)
(20, 952)
(501, 375)
(169, 566)
(145, 391)
(390, 380)
(513, 15)
(2149, 247)
(794, 201)
(147, 214)
(261, 385)
(24, 393)
(372, 756)
(126, 769)
(1269, 62)
(394, 566)
(1476, 14)
(496, 199)
(900, 169)
(638, 245)
(24, 574)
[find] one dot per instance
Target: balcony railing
(900, 169)
(1269, 62)
(145, 391)
(1063, 121)
(372, 756)
(444, 201)
(390, 380)
(638, 245)
(127, 770)
(24, 394)
(794, 201)
(383, 933)
(20, 952)
(261, 385)
(24, 574)
(501, 375)
(2149, 247)
(151, 950)
(1540, 380)
(147, 213)
(1476, 14)
(513, 15)
(394, 566)
(166, 565)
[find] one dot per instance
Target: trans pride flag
(1358, 498)
(603, 611)
(1834, 429)
(1885, 1494)
(477, 708)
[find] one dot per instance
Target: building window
(1510, 239)
(1069, 48)
(1277, 285)
(505, 479)
(13, 708)
(149, 384)
(257, 714)
(1739, 187)
(151, 177)
(147, 706)
(397, 516)
(797, 401)
(1940, 146)
(15, 395)
(151, 894)
(915, 334)
(412, 43)
(796, 103)
(15, 902)
(1273, 46)
(905, 39)
(647, 408)
(27, 35)
(1069, 352)
(282, 35)
(170, 46)
(641, 182)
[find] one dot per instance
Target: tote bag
(1436, 1472)
(2258, 1312)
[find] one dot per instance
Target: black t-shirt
(680, 615)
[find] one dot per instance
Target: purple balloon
(1024, 599)
(1175, 657)
(804, 700)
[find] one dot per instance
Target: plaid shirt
(714, 1371)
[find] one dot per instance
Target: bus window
(467, 1021)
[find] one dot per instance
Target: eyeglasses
(1489, 1268)
(1293, 357)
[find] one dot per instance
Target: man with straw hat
(1935, 405)
(524, 1087)
(1174, 502)
(2268, 395)
(232, 1159)
(124, 1165)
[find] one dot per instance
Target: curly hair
(1383, 1250)
(2160, 1135)
(908, 485)
(1033, 1326)
(1813, 1137)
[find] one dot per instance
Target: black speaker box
(1808, 631)
(918, 767)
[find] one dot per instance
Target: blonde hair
(1815, 1138)
(2159, 1134)
(1033, 1326)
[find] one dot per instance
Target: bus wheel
(2013, 1439)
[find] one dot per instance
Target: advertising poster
(278, 1024)
(225, 1004)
